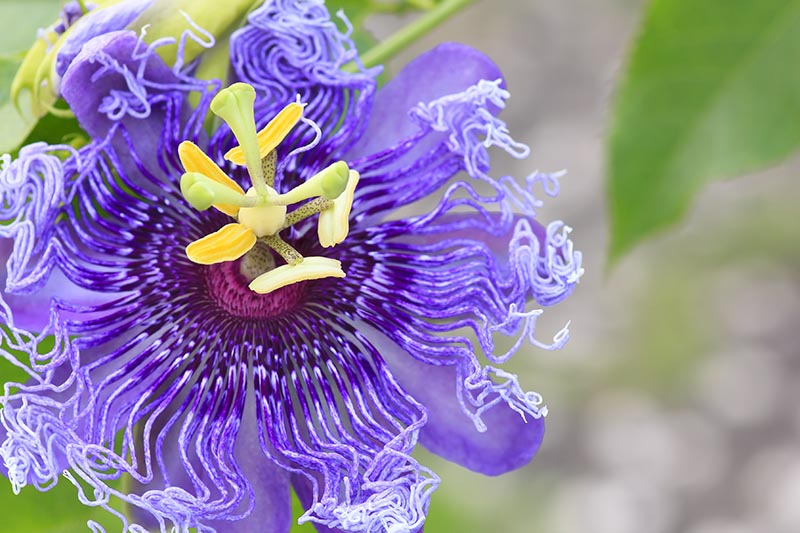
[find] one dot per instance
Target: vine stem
(396, 42)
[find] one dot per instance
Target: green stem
(388, 48)
(83, 7)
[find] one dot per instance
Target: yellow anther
(229, 243)
(309, 268)
(195, 160)
(272, 134)
(334, 222)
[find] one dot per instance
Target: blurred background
(673, 407)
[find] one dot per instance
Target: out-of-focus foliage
(712, 90)
(28, 16)
(55, 511)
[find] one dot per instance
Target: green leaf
(17, 131)
(14, 127)
(297, 511)
(55, 511)
(53, 129)
(23, 18)
(712, 90)
(27, 16)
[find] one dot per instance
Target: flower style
(213, 398)
(261, 213)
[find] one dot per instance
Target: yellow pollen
(195, 160)
(334, 223)
(272, 135)
(227, 244)
(310, 268)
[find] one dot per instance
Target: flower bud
(155, 20)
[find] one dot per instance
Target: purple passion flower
(209, 399)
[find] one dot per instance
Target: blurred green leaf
(297, 511)
(27, 16)
(23, 20)
(712, 90)
(14, 127)
(54, 130)
(55, 511)
(8, 67)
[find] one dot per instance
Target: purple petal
(425, 293)
(509, 441)
(234, 485)
(32, 311)
(465, 272)
(273, 507)
(271, 512)
(108, 67)
(97, 22)
(447, 69)
(118, 86)
(436, 273)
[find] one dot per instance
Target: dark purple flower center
(228, 282)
